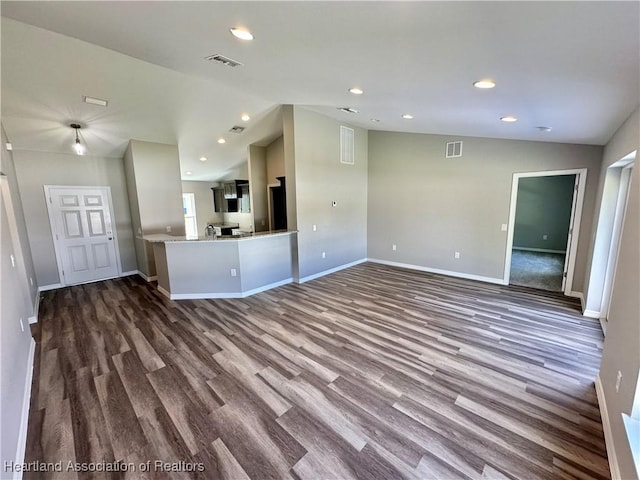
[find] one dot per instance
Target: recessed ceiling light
(245, 117)
(544, 129)
(407, 116)
(356, 91)
(187, 173)
(9, 146)
(241, 33)
(222, 140)
(348, 110)
(203, 159)
(95, 101)
(376, 120)
(484, 84)
(509, 119)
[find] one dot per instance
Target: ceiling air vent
(347, 145)
(237, 129)
(454, 149)
(223, 60)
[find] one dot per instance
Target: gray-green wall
(543, 208)
(320, 179)
(36, 169)
(431, 207)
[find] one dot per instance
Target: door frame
(576, 216)
(622, 201)
(52, 226)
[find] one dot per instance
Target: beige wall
(319, 180)
(36, 169)
(431, 207)
(275, 160)
(205, 213)
(258, 187)
(17, 302)
(622, 342)
(153, 182)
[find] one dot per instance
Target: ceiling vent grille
(237, 129)
(216, 57)
(454, 149)
(347, 145)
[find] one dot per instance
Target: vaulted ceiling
(571, 66)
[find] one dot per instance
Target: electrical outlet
(168, 228)
(545, 237)
(233, 272)
(314, 228)
(324, 255)
(456, 255)
(503, 227)
(393, 247)
(618, 381)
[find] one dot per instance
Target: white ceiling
(573, 66)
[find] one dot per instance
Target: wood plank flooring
(373, 372)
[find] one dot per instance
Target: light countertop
(164, 237)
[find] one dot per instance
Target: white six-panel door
(82, 228)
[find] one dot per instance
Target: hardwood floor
(373, 373)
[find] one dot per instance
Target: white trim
(448, 273)
(24, 417)
(541, 250)
(46, 288)
(331, 270)
(577, 295)
(152, 278)
(129, 273)
(164, 292)
(603, 326)
(572, 249)
(248, 293)
(591, 314)
(608, 434)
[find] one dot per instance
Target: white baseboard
(129, 273)
(608, 434)
(164, 292)
(331, 270)
(468, 276)
(591, 313)
(147, 278)
(211, 295)
(24, 417)
(36, 309)
(541, 250)
(577, 295)
(46, 288)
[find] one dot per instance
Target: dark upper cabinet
(232, 196)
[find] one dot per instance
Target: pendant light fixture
(78, 147)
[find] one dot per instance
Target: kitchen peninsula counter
(229, 266)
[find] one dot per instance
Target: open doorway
(606, 247)
(543, 228)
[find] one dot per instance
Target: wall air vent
(237, 129)
(454, 149)
(347, 145)
(216, 57)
